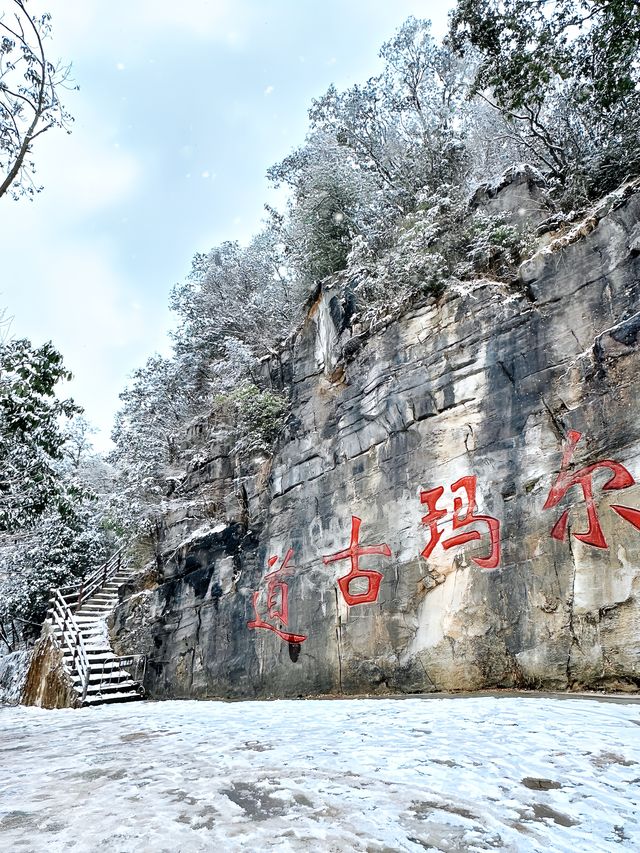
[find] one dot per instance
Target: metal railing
(94, 581)
(104, 674)
(132, 666)
(71, 638)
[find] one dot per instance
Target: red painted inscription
(277, 602)
(353, 553)
(463, 516)
(620, 479)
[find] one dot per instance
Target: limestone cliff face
(488, 384)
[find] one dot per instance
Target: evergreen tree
(565, 78)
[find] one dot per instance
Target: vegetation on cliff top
(380, 190)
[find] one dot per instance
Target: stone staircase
(77, 619)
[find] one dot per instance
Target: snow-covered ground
(450, 774)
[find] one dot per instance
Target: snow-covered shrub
(492, 245)
(257, 416)
(55, 553)
(58, 548)
(32, 419)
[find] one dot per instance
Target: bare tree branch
(29, 102)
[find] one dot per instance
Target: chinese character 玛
(462, 517)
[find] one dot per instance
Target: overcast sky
(182, 107)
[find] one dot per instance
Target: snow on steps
(105, 678)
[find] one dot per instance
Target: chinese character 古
(353, 553)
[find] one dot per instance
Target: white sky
(182, 107)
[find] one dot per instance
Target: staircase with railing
(77, 616)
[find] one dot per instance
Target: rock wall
(48, 684)
(484, 388)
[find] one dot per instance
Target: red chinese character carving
(277, 601)
(460, 519)
(353, 553)
(620, 479)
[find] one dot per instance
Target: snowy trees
(565, 79)
(242, 293)
(371, 150)
(380, 189)
(154, 408)
(29, 94)
(238, 304)
(52, 512)
(401, 125)
(332, 200)
(31, 436)
(54, 552)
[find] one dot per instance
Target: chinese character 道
(277, 601)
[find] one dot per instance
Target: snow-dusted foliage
(56, 552)
(154, 408)
(256, 416)
(57, 547)
(440, 242)
(167, 395)
(380, 187)
(242, 293)
(31, 436)
(371, 151)
(400, 126)
(563, 82)
(30, 89)
(237, 305)
(13, 674)
(383, 189)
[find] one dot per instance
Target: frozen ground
(449, 774)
